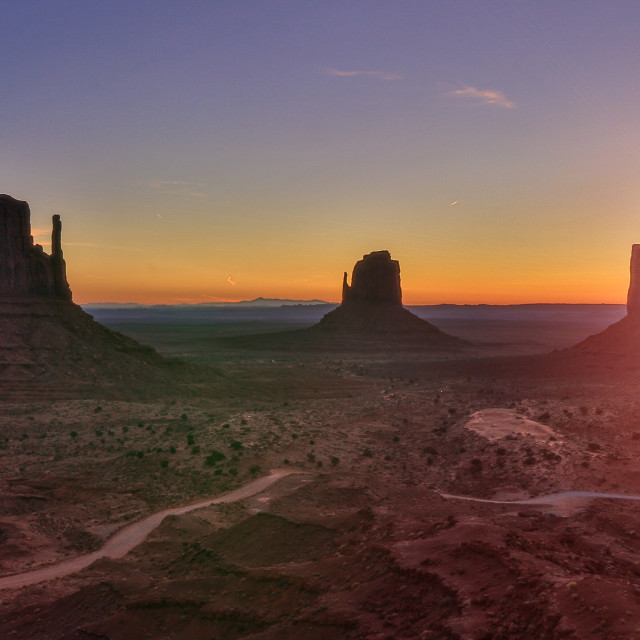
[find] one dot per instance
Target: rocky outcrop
(372, 306)
(25, 269)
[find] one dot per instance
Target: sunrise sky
(225, 150)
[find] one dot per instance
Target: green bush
(214, 457)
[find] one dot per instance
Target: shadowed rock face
(376, 279)
(25, 269)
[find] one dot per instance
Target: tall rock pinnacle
(633, 297)
(25, 269)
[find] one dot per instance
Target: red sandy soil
(361, 545)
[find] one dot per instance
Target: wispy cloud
(379, 75)
(231, 281)
(173, 187)
(485, 96)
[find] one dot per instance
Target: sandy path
(132, 535)
(554, 498)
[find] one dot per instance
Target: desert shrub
(233, 471)
(584, 410)
(164, 463)
(254, 468)
(544, 416)
(74, 434)
(430, 450)
(195, 450)
(125, 429)
(319, 463)
(172, 449)
(396, 438)
(476, 466)
(213, 458)
(190, 440)
(335, 460)
(97, 410)
(452, 410)
(243, 421)
(367, 453)
(529, 460)
(593, 446)
(236, 445)
(226, 426)
(140, 454)
(286, 461)
(311, 457)
(501, 451)
(184, 417)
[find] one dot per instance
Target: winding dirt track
(131, 536)
(554, 498)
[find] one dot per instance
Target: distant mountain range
(258, 302)
(309, 312)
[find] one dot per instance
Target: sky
(203, 151)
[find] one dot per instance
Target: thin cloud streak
(485, 96)
(230, 281)
(380, 75)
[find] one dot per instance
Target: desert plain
(422, 491)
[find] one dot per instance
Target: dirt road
(132, 535)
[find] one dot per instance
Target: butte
(372, 306)
(370, 318)
(48, 345)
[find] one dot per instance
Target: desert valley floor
(373, 533)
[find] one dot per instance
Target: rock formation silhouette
(633, 297)
(25, 269)
(372, 304)
(46, 341)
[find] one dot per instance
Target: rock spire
(633, 297)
